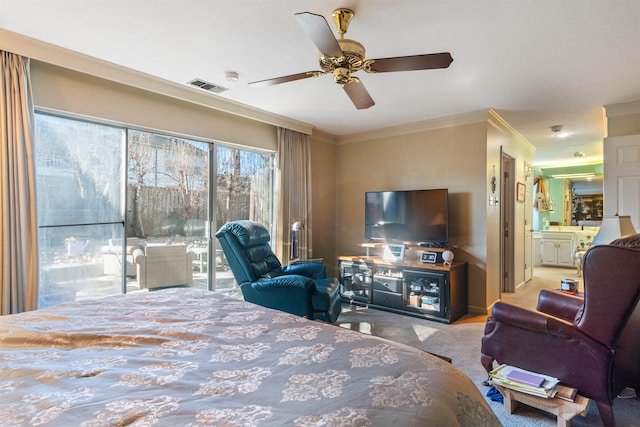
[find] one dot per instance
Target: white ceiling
(537, 63)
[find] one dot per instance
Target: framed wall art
(520, 191)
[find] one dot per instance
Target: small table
(201, 257)
(563, 409)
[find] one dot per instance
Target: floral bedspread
(185, 357)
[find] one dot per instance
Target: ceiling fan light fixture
(342, 75)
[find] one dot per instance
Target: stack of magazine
(524, 381)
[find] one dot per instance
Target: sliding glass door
(244, 190)
(124, 210)
(79, 169)
(167, 205)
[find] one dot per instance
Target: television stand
(430, 291)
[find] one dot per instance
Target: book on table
(566, 393)
(527, 378)
(524, 381)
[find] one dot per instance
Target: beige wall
(63, 90)
(452, 157)
(323, 198)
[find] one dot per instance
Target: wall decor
(520, 191)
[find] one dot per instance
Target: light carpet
(461, 342)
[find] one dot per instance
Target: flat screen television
(415, 216)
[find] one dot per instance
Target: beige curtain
(18, 243)
(294, 193)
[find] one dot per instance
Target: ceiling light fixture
(231, 76)
(573, 175)
(578, 154)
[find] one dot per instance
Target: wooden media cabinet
(432, 291)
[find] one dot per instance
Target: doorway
(506, 222)
(528, 222)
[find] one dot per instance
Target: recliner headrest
(248, 233)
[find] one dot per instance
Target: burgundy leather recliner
(591, 344)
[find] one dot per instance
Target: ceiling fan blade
(285, 79)
(358, 94)
(408, 63)
(320, 33)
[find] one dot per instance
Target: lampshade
(613, 227)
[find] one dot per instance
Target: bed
(186, 357)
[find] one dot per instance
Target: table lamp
(613, 227)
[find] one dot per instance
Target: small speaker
(447, 257)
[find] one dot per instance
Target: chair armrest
(535, 321)
(311, 270)
(138, 256)
(307, 261)
(286, 281)
(141, 267)
(559, 305)
(189, 267)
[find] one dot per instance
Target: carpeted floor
(461, 342)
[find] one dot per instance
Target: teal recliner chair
(300, 289)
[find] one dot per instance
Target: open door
(506, 224)
(528, 222)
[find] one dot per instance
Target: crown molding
(416, 127)
(498, 122)
(622, 109)
(321, 136)
(65, 58)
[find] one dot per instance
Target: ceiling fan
(342, 57)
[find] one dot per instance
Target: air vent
(207, 86)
